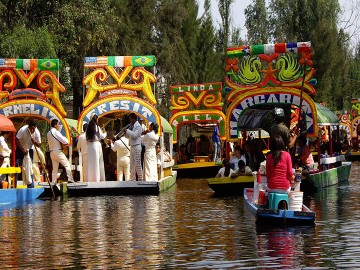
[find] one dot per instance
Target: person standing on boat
(279, 170)
(216, 144)
(26, 137)
(150, 157)
(122, 149)
(280, 128)
(95, 171)
(134, 135)
(82, 149)
(5, 152)
(55, 141)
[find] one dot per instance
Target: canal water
(185, 228)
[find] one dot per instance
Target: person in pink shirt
(306, 159)
(279, 167)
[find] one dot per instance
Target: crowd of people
(134, 142)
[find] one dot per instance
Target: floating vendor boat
(332, 169)
(116, 86)
(195, 108)
(266, 216)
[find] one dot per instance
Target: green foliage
(257, 23)
(21, 42)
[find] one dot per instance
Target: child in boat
(306, 160)
(225, 171)
(243, 170)
(279, 167)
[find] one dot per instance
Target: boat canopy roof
(325, 116)
(166, 125)
(6, 124)
(251, 119)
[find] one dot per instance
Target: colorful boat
(194, 107)
(39, 98)
(13, 193)
(115, 86)
(269, 217)
(260, 77)
(230, 186)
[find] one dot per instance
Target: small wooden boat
(270, 217)
(230, 186)
(197, 169)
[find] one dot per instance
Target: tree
(257, 23)
(208, 60)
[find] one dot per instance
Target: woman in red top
(279, 167)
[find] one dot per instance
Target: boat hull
(197, 169)
(270, 217)
(114, 188)
(323, 179)
(230, 186)
(17, 195)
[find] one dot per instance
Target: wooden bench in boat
(201, 159)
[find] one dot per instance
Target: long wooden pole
(301, 97)
(44, 168)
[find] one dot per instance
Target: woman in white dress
(95, 160)
(150, 159)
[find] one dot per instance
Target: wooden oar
(44, 168)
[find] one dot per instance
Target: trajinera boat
(260, 77)
(114, 87)
(196, 110)
(10, 192)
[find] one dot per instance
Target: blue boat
(15, 195)
(269, 217)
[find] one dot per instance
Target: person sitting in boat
(306, 160)
(279, 170)
(242, 170)
(5, 152)
(254, 156)
(238, 155)
(181, 156)
(225, 171)
(190, 148)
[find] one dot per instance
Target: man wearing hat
(281, 129)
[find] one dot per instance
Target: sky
(238, 17)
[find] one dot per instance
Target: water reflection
(186, 228)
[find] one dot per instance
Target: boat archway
(355, 127)
(198, 116)
(36, 109)
(270, 96)
(122, 103)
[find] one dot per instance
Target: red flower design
(231, 63)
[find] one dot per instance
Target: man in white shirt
(134, 135)
(55, 141)
(122, 149)
(5, 152)
(82, 149)
(26, 137)
(238, 155)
